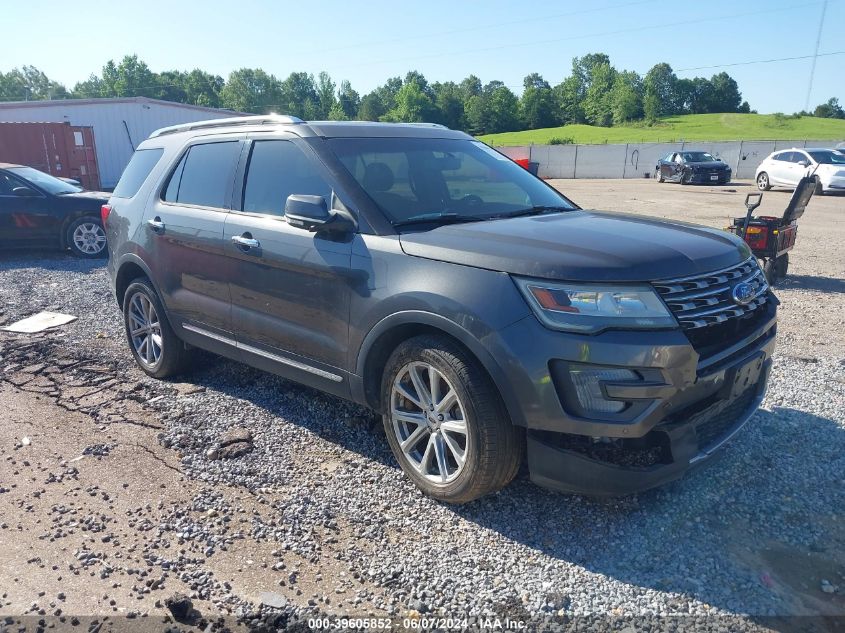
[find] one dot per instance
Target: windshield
(698, 157)
(45, 181)
(421, 179)
(828, 157)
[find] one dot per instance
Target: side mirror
(312, 214)
(25, 192)
(804, 163)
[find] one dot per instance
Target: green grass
(689, 127)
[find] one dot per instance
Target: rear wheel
(86, 238)
(446, 423)
(154, 344)
(763, 183)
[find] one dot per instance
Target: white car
(786, 167)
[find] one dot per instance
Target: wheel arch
(129, 269)
(391, 331)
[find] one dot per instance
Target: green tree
(130, 78)
(371, 108)
(569, 100)
(448, 99)
(413, 105)
(626, 97)
(325, 94)
(598, 102)
(537, 104)
(348, 100)
(830, 110)
(251, 90)
(299, 96)
(661, 89)
(503, 110)
(726, 95)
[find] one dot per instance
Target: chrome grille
(707, 300)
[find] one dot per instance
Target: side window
(278, 169)
(797, 157)
(171, 194)
(136, 172)
(203, 175)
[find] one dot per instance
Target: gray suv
(414, 270)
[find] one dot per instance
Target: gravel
(330, 488)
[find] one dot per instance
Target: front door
(24, 219)
(290, 288)
(185, 236)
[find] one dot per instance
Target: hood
(100, 196)
(582, 246)
(710, 164)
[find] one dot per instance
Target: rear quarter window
(136, 172)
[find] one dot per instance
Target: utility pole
(815, 56)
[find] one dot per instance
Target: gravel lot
(318, 513)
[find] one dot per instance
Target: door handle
(156, 224)
(245, 241)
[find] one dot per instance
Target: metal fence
(637, 160)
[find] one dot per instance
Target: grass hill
(690, 127)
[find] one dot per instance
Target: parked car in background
(415, 270)
(785, 168)
(38, 210)
(692, 167)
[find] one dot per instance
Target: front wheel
(819, 189)
(763, 183)
(658, 176)
(154, 344)
(685, 178)
(86, 238)
(445, 422)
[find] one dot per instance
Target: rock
(25, 441)
(827, 587)
(235, 435)
(272, 599)
(212, 453)
(180, 606)
(235, 450)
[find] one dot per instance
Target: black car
(37, 209)
(700, 168)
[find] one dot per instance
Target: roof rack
(268, 119)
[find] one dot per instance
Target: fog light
(588, 388)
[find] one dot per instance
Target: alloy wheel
(429, 422)
(145, 330)
(89, 238)
(762, 181)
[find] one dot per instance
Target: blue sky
(367, 42)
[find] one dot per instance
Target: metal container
(59, 149)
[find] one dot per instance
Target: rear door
(185, 235)
(290, 288)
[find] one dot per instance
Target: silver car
(785, 168)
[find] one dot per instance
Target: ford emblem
(742, 294)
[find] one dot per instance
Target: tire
(819, 189)
(685, 178)
(763, 182)
(770, 269)
(86, 238)
(449, 464)
(163, 354)
(659, 176)
(782, 266)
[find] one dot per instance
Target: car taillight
(757, 237)
(104, 213)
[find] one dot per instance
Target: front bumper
(682, 412)
(705, 178)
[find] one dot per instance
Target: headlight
(592, 308)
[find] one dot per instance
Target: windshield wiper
(536, 210)
(439, 218)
